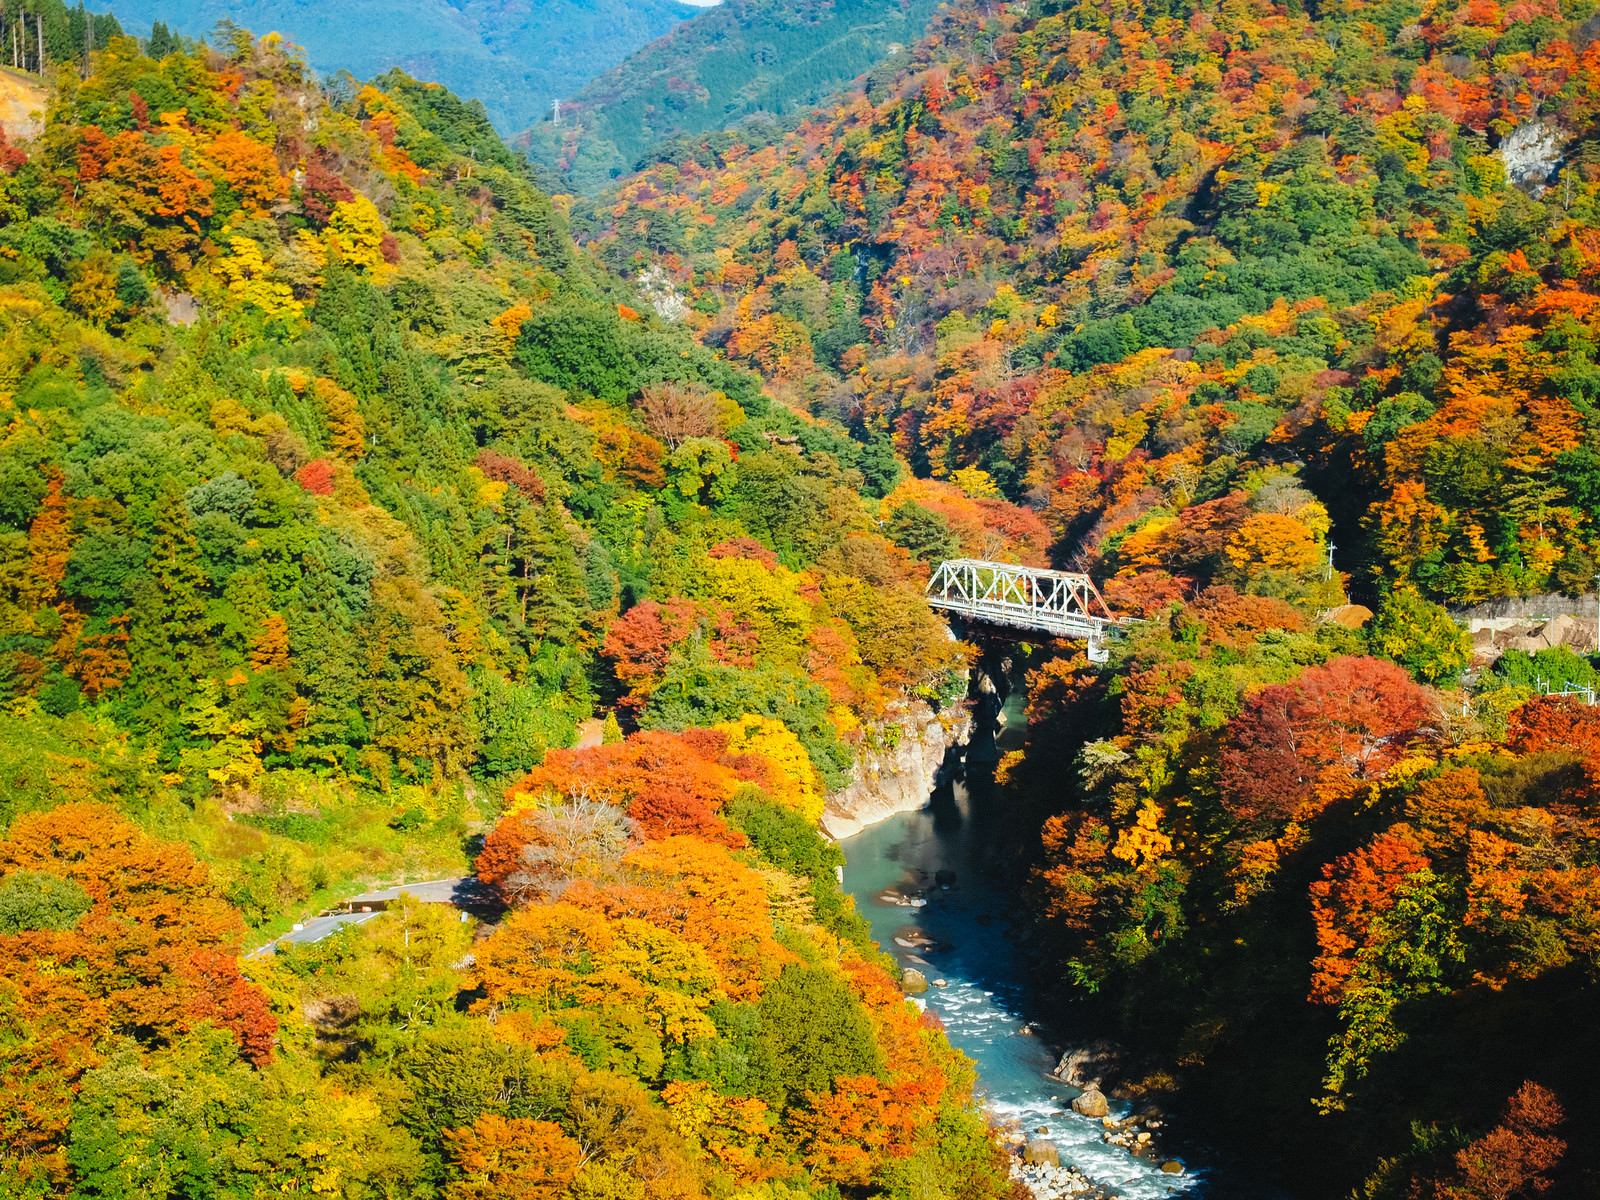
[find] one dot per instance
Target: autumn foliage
(1348, 721)
(152, 957)
(1513, 1159)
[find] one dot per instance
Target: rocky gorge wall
(899, 777)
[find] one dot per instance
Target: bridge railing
(1027, 599)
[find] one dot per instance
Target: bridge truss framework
(1024, 600)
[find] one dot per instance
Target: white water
(983, 1004)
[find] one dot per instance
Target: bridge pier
(988, 690)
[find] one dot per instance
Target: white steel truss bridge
(1028, 601)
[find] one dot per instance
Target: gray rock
(900, 777)
(1042, 1152)
(913, 981)
(1090, 1066)
(1091, 1104)
(1531, 153)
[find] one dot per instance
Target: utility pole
(39, 25)
(555, 110)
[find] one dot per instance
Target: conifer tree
(168, 630)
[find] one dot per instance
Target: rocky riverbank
(1035, 1161)
(896, 768)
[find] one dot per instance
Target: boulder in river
(1090, 1066)
(1172, 1167)
(1091, 1104)
(941, 983)
(1041, 1152)
(913, 981)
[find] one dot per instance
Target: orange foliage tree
(151, 958)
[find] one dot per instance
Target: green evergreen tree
(161, 41)
(813, 1029)
(1420, 636)
(168, 634)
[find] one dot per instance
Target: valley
(378, 506)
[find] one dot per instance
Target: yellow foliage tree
(250, 279)
(737, 1131)
(94, 289)
(347, 431)
(767, 598)
(510, 322)
(1143, 843)
(797, 786)
(356, 231)
(975, 482)
(1274, 541)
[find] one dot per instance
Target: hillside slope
(1292, 239)
(336, 489)
(740, 59)
(22, 100)
(516, 59)
(1258, 308)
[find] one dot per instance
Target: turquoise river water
(950, 855)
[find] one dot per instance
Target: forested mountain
(68, 34)
(514, 59)
(336, 486)
(1258, 307)
(741, 59)
(1096, 270)
(339, 487)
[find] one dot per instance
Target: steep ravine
(898, 771)
(931, 862)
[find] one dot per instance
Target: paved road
(318, 928)
(465, 893)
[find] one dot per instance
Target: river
(952, 854)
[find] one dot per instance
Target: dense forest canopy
(1119, 258)
(340, 488)
(337, 489)
(1260, 308)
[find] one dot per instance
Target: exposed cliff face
(898, 777)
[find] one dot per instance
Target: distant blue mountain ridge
(516, 56)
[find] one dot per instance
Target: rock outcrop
(1092, 1103)
(1090, 1067)
(1041, 1153)
(898, 773)
(913, 981)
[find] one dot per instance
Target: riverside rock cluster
(1036, 1164)
(1047, 1181)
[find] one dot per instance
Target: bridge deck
(1055, 604)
